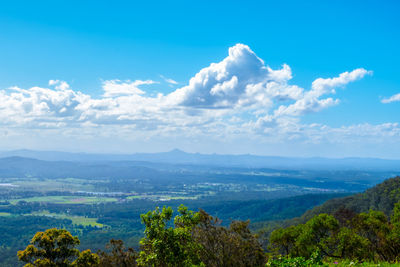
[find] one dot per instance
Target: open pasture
(77, 220)
(66, 199)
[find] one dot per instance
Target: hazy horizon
(176, 150)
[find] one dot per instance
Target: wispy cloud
(393, 98)
(114, 88)
(311, 101)
(169, 80)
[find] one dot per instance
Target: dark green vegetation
(381, 197)
(99, 201)
(361, 227)
(122, 220)
(365, 236)
(198, 239)
(192, 239)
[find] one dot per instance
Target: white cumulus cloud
(240, 80)
(60, 85)
(239, 95)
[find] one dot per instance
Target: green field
(163, 197)
(45, 185)
(66, 199)
(78, 220)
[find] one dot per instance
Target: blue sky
(121, 75)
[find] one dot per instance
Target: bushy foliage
(314, 260)
(365, 236)
(192, 239)
(232, 246)
(56, 247)
(117, 255)
(381, 197)
(165, 245)
(197, 239)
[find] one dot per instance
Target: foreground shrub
(314, 260)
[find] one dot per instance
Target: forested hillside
(381, 197)
(362, 227)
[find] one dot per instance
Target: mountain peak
(177, 151)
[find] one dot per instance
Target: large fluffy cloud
(240, 95)
(241, 80)
(37, 107)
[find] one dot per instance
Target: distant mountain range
(241, 161)
(28, 167)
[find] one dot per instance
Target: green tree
(233, 246)
(86, 259)
(317, 233)
(283, 240)
(350, 245)
(395, 218)
(323, 234)
(56, 247)
(375, 227)
(165, 245)
(119, 256)
(393, 238)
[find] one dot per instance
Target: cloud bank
(239, 96)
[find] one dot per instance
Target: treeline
(367, 236)
(191, 239)
(381, 197)
(198, 239)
